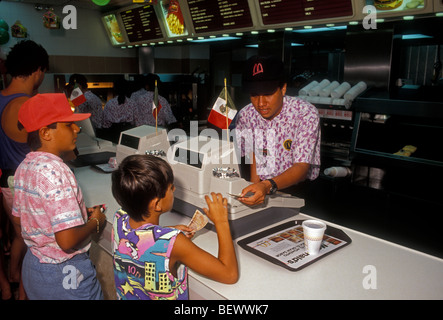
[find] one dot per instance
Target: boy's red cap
(44, 109)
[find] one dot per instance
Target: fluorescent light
(216, 39)
(321, 29)
(408, 18)
(414, 36)
(293, 44)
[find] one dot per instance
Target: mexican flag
(77, 96)
(156, 106)
(222, 113)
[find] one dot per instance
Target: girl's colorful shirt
(141, 262)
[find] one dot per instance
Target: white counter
(397, 272)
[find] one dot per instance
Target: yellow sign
(145, 1)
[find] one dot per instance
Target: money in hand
(198, 221)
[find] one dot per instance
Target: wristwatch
(273, 186)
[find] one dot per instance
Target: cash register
(203, 165)
(142, 140)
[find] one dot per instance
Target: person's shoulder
(299, 105)
(92, 96)
(11, 109)
(247, 111)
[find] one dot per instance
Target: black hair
(138, 180)
(33, 139)
(25, 58)
(149, 81)
(76, 78)
(121, 90)
(79, 79)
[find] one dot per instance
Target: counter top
(396, 272)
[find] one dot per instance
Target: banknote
(198, 221)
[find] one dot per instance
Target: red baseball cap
(43, 109)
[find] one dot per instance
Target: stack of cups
(313, 231)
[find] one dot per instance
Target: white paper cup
(313, 231)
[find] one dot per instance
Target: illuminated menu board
(141, 24)
(113, 29)
(285, 11)
(219, 15)
(396, 5)
(172, 17)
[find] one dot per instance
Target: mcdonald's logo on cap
(258, 68)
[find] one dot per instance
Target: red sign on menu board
(141, 24)
(285, 11)
(219, 15)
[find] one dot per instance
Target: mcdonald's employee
(280, 134)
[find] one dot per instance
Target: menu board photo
(396, 5)
(141, 24)
(209, 16)
(291, 11)
(284, 245)
(172, 17)
(113, 29)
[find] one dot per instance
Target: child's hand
(95, 212)
(217, 208)
(189, 232)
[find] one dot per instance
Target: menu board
(113, 29)
(141, 24)
(286, 11)
(219, 15)
(172, 17)
(396, 5)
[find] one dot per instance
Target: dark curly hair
(25, 58)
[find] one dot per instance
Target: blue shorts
(74, 279)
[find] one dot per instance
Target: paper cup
(313, 231)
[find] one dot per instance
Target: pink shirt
(293, 136)
(47, 200)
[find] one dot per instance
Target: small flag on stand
(222, 113)
(77, 96)
(156, 106)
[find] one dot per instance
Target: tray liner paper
(283, 245)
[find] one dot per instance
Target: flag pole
(156, 107)
(227, 111)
